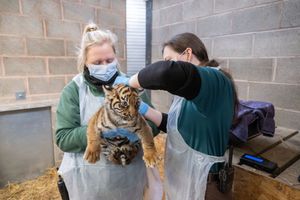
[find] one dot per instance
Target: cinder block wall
(258, 41)
(38, 40)
(38, 46)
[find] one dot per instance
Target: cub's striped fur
(120, 110)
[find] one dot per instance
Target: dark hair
(180, 42)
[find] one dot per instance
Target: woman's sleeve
(70, 136)
(179, 78)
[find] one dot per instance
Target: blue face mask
(103, 72)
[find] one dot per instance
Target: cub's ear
(107, 89)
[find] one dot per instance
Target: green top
(204, 122)
(70, 135)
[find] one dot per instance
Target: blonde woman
(79, 100)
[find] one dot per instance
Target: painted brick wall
(258, 41)
(38, 40)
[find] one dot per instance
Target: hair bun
(212, 63)
(90, 28)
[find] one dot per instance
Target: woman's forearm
(158, 118)
(134, 82)
(154, 115)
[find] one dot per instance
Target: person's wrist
(143, 108)
(127, 81)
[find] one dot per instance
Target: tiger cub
(120, 110)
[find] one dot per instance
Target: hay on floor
(45, 187)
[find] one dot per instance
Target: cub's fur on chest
(120, 110)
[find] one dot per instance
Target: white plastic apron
(186, 170)
(102, 180)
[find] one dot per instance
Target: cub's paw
(150, 157)
(92, 152)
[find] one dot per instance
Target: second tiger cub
(120, 110)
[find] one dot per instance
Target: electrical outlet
(20, 95)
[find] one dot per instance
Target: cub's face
(123, 100)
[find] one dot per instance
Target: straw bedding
(45, 186)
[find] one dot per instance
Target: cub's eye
(124, 104)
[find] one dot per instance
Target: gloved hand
(143, 108)
(121, 80)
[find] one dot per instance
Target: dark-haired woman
(199, 119)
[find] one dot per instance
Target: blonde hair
(92, 34)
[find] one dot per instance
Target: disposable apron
(102, 180)
(186, 170)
